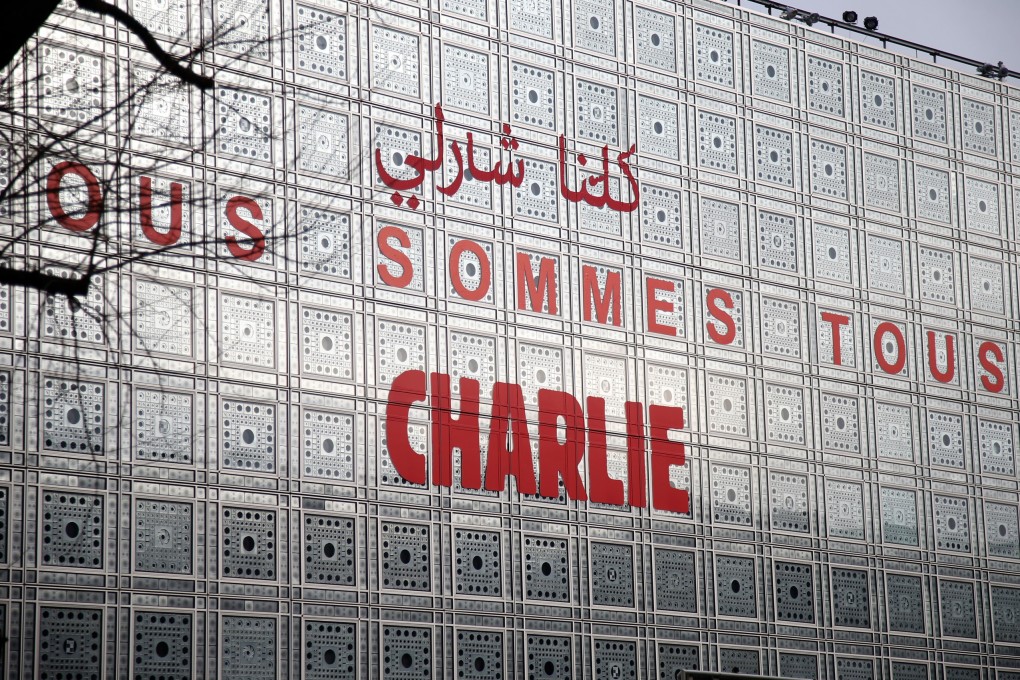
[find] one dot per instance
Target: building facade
(611, 226)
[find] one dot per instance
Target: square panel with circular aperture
(851, 599)
(854, 669)
(885, 264)
(394, 146)
(249, 543)
(731, 495)
(616, 659)
(882, 182)
(532, 96)
(330, 650)
(788, 502)
(396, 63)
(661, 216)
(995, 443)
(465, 79)
(981, 203)
(899, 516)
(163, 426)
(736, 594)
(330, 550)
(244, 124)
(164, 536)
(539, 367)
(1006, 614)
(327, 445)
(327, 343)
(612, 574)
(802, 666)
(406, 652)
(777, 241)
(72, 530)
(477, 563)
(1002, 533)
(550, 656)
(675, 579)
(727, 405)
(161, 320)
(322, 141)
(945, 440)
(717, 142)
(828, 169)
(321, 42)
(832, 253)
(325, 238)
(163, 646)
(905, 600)
(713, 55)
(248, 647)
(720, 228)
(929, 113)
(595, 26)
(400, 347)
(932, 199)
(655, 39)
(546, 569)
(405, 556)
(770, 70)
(987, 292)
(538, 196)
(784, 414)
(841, 423)
(825, 86)
(878, 100)
(795, 592)
(844, 509)
(773, 155)
(781, 327)
(956, 603)
(249, 440)
(910, 671)
(73, 415)
(70, 643)
(674, 658)
(978, 126)
(658, 128)
(894, 431)
(480, 655)
(531, 16)
(952, 523)
(247, 331)
(84, 322)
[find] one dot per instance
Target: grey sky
(980, 29)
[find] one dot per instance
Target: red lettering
(933, 364)
(712, 300)
(665, 454)
(995, 381)
(601, 487)
(509, 424)
(556, 460)
(449, 433)
(636, 486)
(94, 207)
(407, 388)
(654, 305)
(399, 257)
(485, 275)
(602, 302)
(896, 366)
(246, 227)
(836, 321)
(536, 291)
(173, 233)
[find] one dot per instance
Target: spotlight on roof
(811, 19)
(998, 72)
(850, 16)
(790, 13)
(871, 23)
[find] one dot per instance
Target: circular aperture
(162, 649)
(329, 550)
(72, 529)
(405, 556)
(248, 543)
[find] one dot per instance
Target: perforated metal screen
(197, 479)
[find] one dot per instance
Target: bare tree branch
(166, 60)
